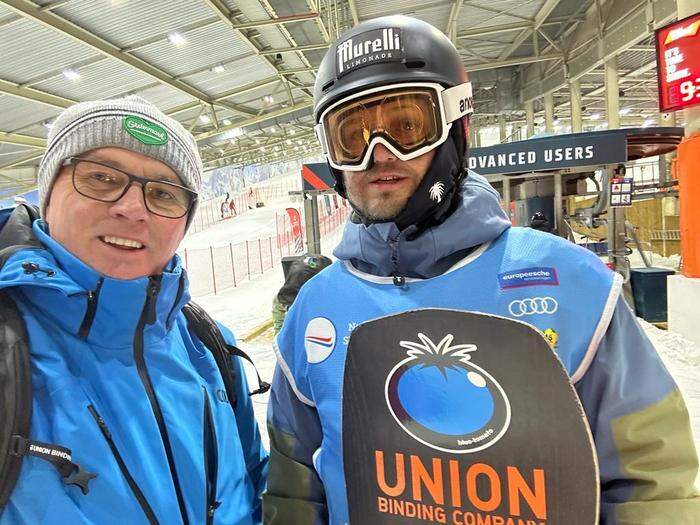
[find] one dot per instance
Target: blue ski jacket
(475, 261)
(120, 381)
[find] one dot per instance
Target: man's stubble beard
(382, 207)
(378, 208)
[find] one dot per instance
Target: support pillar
(502, 132)
(529, 118)
(472, 135)
(576, 118)
(313, 230)
(549, 112)
(612, 93)
(691, 115)
(559, 228)
(506, 195)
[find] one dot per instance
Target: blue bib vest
(564, 291)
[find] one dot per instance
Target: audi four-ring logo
(532, 306)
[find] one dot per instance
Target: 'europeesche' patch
(540, 276)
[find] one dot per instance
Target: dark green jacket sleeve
(295, 494)
(640, 424)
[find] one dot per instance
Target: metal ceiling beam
(504, 28)
(33, 12)
(540, 17)
(34, 95)
(22, 140)
(630, 31)
(226, 94)
(224, 13)
(451, 27)
(512, 62)
(294, 49)
(632, 76)
(21, 160)
(353, 12)
(256, 148)
(255, 120)
(276, 21)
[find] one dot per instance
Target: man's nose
(131, 205)
(382, 154)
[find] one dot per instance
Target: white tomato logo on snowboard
(442, 399)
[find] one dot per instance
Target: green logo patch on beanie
(144, 131)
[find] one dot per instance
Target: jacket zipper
(399, 280)
(148, 316)
(89, 317)
(147, 510)
(211, 460)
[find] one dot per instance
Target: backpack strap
(16, 410)
(16, 392)
(206, 329)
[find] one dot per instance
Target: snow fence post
(233, 268)
(247, 257)
(213, 273)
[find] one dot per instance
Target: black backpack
(16, 394)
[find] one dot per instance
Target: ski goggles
(409, 119)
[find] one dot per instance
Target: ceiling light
(267, 99)
(218, 68)
(177, 39)
(648, 122)
(71, 74)
(227, 122)
(257, 141)
(625, 111)
(263, 149)
(292, 132)
(595, 116)
(204, 119)
(288, 142)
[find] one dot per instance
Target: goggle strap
(458, 102)
(321, 136)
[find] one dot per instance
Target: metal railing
(217, 268)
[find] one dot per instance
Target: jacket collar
(382, 249)
(61, 287)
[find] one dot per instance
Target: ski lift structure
(558, 162)
(317, 180)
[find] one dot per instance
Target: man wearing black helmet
(392, 104)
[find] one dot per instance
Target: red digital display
(678, 64)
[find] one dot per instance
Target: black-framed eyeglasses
(105, 183)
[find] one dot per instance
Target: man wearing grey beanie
(114, 409)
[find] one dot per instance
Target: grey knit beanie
(130, 123)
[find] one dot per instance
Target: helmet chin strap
(436, 197)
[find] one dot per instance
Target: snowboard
(463, 418)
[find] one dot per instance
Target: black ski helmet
(424, 54)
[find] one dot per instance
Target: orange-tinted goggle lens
(409, 119)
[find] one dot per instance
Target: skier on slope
(392, 106)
